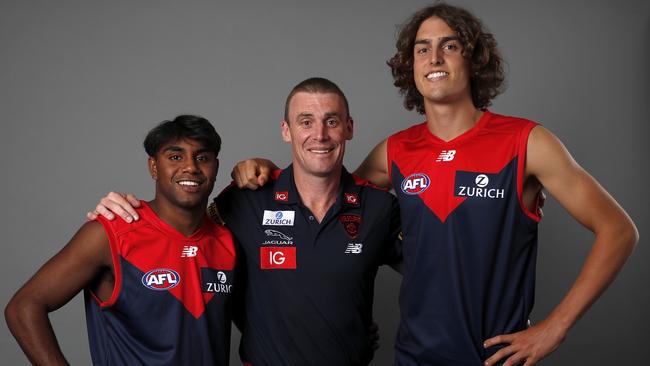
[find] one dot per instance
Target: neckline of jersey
(487, 115)
(170, 230)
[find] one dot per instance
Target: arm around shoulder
(374, 167)
(59, 280)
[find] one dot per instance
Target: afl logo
(161, 279)
(415, 183)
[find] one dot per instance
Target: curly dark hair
(479, 48)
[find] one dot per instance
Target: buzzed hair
(315, 85)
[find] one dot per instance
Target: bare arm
(81, 261)
(615, 237)
(375, 167)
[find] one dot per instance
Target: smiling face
(317, 129)
(185, 172)
(440, 71)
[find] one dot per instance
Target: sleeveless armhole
(389, 165)
(117, 270)
(521, 167)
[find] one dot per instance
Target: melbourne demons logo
(415, 183)
(161, 279)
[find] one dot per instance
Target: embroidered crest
(351, 224)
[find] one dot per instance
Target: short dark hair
(183, 127)
(479, 48)
(315, 85)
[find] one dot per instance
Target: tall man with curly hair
(468, 181)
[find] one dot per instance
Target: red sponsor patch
(282, 196)
(278, 257)
(351, 224)
(351, 198)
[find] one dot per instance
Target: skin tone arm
(375, 167)
(84, 261)
(550, 163)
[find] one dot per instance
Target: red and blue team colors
(170, 303)
(469, 243)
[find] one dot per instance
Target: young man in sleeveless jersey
(157, 292)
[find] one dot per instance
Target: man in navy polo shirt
(311, 242)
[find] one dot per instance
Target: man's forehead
(182, 144)
(434, 28)
(310, 103)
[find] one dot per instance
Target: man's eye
(201, 158)
(175, 157)
(450, 47)
(332, 122)
(422, 51)
(305, 123)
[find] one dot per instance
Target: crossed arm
(81, 262)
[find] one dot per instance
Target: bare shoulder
(90, 244)
(374, 168)
(547, 156)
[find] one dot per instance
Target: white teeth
(437, 74)
(320, 151)
(188, 183)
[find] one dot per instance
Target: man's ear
(350, 128)
(286, 133)
(153, 168)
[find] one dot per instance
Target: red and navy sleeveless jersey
(170, 302)
(469, 244)
(309, 286)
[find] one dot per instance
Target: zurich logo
(415, 183)
(482, 180)
(221, 277)
(278, 215)
(161, 279)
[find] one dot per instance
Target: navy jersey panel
(469, 246)
(170, 305)
(309, 286)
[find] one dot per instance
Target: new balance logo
(446, 155)
(189, 251)
(354, 248)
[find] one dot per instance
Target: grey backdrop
(81, 82)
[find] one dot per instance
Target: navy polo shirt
(309, 286)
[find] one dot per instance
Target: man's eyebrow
(427, 41)
(305, 114)
(331, 114)
(448, 38)
(174, 148)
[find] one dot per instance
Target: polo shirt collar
(285, 191)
